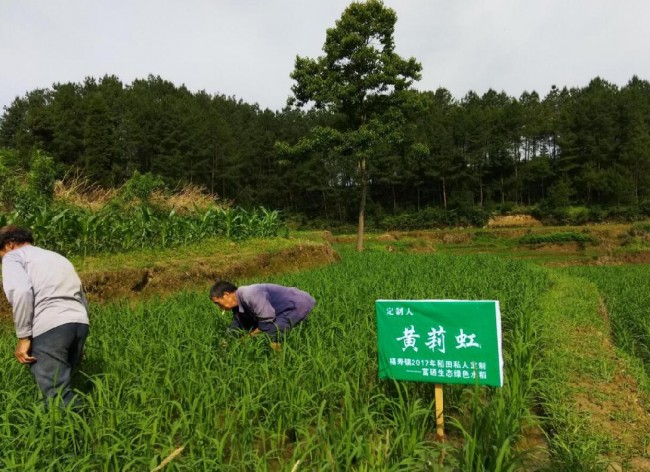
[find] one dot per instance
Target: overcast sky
(247, 48)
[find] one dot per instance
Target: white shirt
(43, 289)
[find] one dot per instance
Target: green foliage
(644, 208)
(42, 175)
(429, 218)
(627, 295)
(126, 223)
(568, 311)
(159, 375)
(25, 189)
(11, 159)
(637, 235)
(115, 228)
(140, 187)
(496, 419)
(579, 215)
(362, 79)
(558, 238)
(641, 228)
(560, 193)
(8, 186)
(585, 146)
(359, 66)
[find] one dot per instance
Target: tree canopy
(357, 143)
(361, 80)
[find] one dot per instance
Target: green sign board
(440, 341)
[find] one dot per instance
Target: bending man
(263, 308)
(49, 308)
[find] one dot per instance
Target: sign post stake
(440, 419)
(440, 341)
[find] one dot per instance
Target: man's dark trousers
(57, 352)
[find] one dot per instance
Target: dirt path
(592, 395)
(616, 405)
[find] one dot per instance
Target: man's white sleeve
(20, 294)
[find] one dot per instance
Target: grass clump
(558, 238)
(158, 377)
(637, 236)
(586, 389)
(626, 292)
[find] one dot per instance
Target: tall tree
(590, 140)
(68, 123)
(13, 124)
(443, 162)
(475, 138)
(361, 78)
(635, 135)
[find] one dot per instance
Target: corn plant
(73, 230)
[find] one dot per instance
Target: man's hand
(255, 332)
(22, 351)
(276, 347)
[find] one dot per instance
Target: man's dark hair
(220, 288)
(15, 234)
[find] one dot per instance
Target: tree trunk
(362, 203)
(503, 195)
(325, 206)
(444, 194)
(517, 185)
(635, 176)
(213, 170)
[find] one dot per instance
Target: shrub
(640, 228)
(140, 187)
(25, 191)
(644, 208)
(577, 215)
(42, 175)
(558, 238)
(430, 218)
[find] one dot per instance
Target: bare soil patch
(616, 406)
(387, 237)
(203, 271)
(642, 257)
(504, 221)
(611, 258)
(570, 247)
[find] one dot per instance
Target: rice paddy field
(164, 387)
(626, 293)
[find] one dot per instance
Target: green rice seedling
(157, 377)
(626, 291)
(571, 310)
(497, 420)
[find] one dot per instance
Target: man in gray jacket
(263, 308)
(49, 308)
